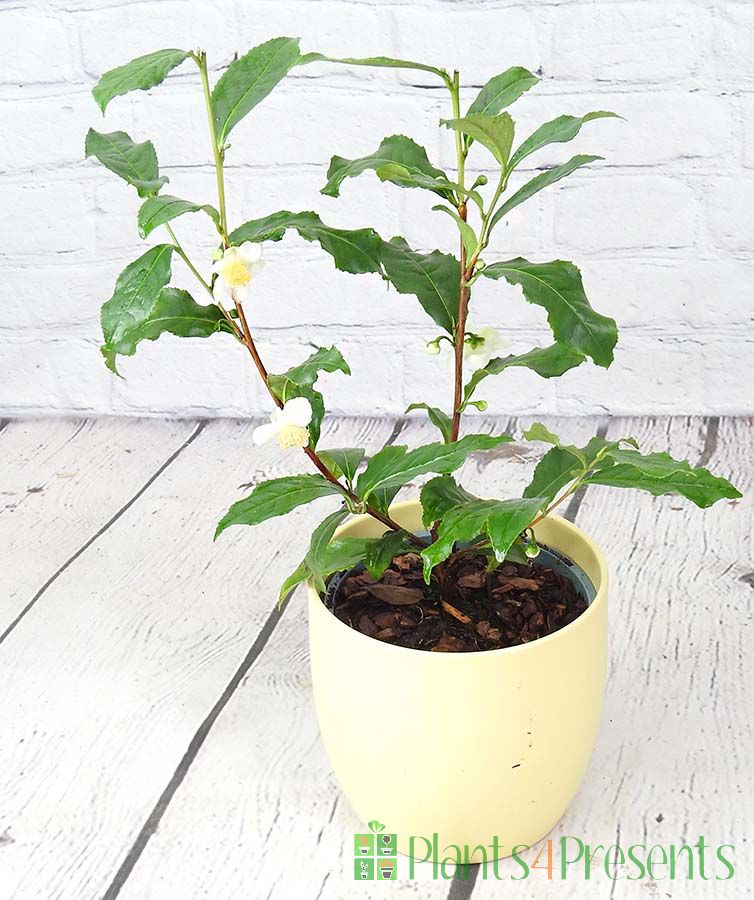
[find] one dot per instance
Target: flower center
(293, 436)
(235, 273)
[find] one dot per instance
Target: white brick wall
(663, 230)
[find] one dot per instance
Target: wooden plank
(259, 814)
(62, 481)
(672, 761)
(104, 694)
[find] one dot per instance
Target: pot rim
(599, 599)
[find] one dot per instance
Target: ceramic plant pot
(465, 745)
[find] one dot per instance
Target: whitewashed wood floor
(157, 737)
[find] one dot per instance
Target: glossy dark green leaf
(502, 90)
(508, 519)
(557, 468)
(540, 182)
(439, 495)
(659, 473)
(321, 537)
(434, 278)
(557, 287)
(356, 251)
(134, 163)
(397, 159)
(140, 74)
(548, 362)
(437, 417)
(345, 460)
(137, 292)
(383, 550)
(249, 79)
(340, 555)
(391, 468)
(276, 498)
(557, 131)
(495, 132)
(156, 211)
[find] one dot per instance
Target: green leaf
(549, 362)
(135, 163)
(558, 131)
(495, 132)
(346, 460)
(373, 62)
(300, 574)
(557, 287)
(397, 159)
(157, 211)
(468, 235)
(356, 251)
(276, 498)
(437, 417)
(175, 312)
(659, 473)
(382, 551)
(391, 467)
(434, 278)
(140, 74)
(439, 495)
(299, 380)
(502, 90)
(249, 79)
(508, 519)
(539, 432)
(557, 468)
(137, 292)
(345, 553)
(321, 537)
(538, 183)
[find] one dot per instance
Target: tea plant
(143, 307)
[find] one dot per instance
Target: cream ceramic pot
(465, 745)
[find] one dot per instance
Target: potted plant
(448, 604)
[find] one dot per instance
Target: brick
(631, 42)
(733, 45)
(623, 213)
(44, 219)
(34, 48)
(46, 132)
(728, 206)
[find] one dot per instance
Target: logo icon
(375, 854)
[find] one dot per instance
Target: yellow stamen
(235, 273)
(293, 436)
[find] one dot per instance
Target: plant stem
(464, 291)
(218, 152)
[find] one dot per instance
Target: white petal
(255, 267)
(250, 252)
(240, 293)
(221, 292)
(297, 411)
(264, 433)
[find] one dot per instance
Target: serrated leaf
(508, 519)
(249, 79)
(156, 211)
(557, 468)
(139, 74)
(495, 132)
(276, 498)
(439, 495)
(340, 555)
(557, 131)
(468, 235)
(539, 183)
(373, 62)
(502, 90)
(134, 163)
(321, 537)
(346, 460)
(137, 291)
(356, 251)
(434, 278)
(397, 159)
(382, 551)
(299, 380)
(557, 287)
(548, 362)
(391, 468)
(659, 473)
(437, 417)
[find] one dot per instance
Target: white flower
(289, 425)
(478, 351)
(235, 270)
